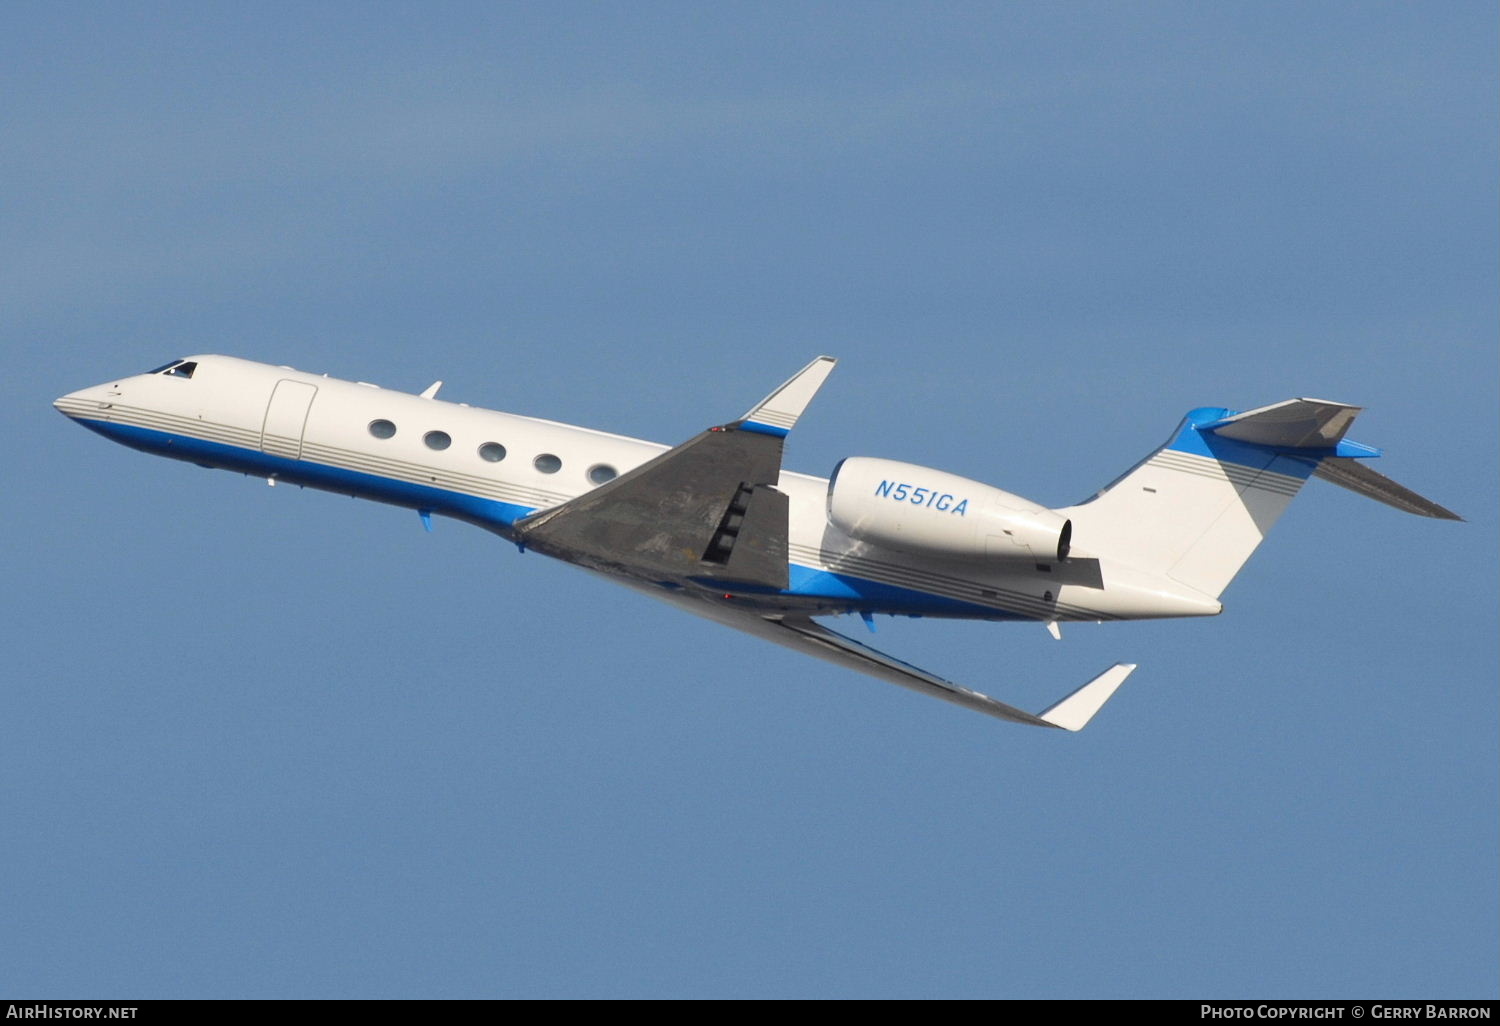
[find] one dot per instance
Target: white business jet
(717, 527)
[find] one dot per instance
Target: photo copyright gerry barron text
(1350, 1010)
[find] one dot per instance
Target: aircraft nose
(82, 402)
(71, 405)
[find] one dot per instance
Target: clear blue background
(265, 742)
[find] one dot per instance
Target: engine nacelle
(918, 509)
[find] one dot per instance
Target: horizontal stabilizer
(1316, 428)
(1357, 477)
(1293, 424)
(777, 413)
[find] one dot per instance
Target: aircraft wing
(807, 636)
(1072, 713)
(707, 510)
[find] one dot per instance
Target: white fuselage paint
(313, 430)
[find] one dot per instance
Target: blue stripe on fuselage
(488, 513)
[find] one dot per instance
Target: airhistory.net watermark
(47, 1011)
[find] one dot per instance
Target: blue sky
(274, 743)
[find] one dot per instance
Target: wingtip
(1075, 711)
(783, 407)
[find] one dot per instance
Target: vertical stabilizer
(1198, 507)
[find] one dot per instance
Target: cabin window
(602, 473)
(382, 429)
(492, 452)
(438, 440)
(547, 463)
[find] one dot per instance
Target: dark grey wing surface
(707, 510)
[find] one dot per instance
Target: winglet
(777, 413)
(1075, 711)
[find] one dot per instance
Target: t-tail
(1196, 509)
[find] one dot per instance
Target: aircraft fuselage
(492, 469)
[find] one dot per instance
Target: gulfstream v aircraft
(717, 527)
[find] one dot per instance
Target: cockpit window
(176, 369)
